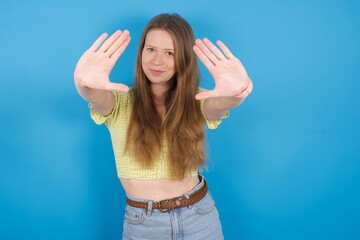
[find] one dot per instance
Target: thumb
(205, 95)
(119, 87)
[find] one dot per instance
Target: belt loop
(149, 208)
(201, 178)
(187, 196)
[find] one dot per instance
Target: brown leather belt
(172, 203)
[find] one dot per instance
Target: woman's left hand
(231, 79)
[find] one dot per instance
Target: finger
(214, 49)
(119, 87)
(120, 50)
(225, 50)
(200, 44)
(206, 94)
(118, 43)
(208, 64)
(98, 42)
(105, 46)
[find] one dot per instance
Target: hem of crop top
(193, 174)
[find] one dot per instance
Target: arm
(93, 69)
(232, 84)
(216, 108)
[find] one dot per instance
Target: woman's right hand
(94, 67)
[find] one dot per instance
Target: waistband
(189, 198)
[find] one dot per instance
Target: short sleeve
(100, 119)
(212, 124)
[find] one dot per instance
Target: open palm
(229, 74)
(94, 67)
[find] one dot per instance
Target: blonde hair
(183, 126)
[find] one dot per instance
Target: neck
(159, 93)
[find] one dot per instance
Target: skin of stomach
(159, 189)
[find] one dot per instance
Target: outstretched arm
(93, 70)
(232, 84)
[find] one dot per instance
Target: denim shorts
(199, 221)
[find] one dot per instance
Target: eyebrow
(148, 45)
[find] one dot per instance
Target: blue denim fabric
(196, 222)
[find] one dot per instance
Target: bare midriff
(158, 189)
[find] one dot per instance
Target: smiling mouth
(156, 72)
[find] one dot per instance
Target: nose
(157, 59)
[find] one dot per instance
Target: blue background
(285, 165)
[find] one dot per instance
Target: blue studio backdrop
(285, 165)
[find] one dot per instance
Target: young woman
(157, 126)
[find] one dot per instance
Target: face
(158, 61)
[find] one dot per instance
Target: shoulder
(200, 89)
(211, 124)
(122, 97)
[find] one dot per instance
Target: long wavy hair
(182, 130)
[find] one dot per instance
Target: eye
(169, 53)
(150, 49)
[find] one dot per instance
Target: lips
(156, 72)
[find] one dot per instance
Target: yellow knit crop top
(117, 123)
